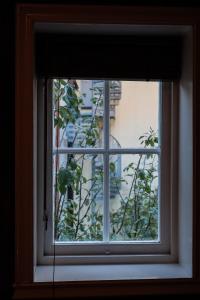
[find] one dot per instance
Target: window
(108, 191)
(152, 60)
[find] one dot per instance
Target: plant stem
(80, 196)
(89, 206)
(129, 195)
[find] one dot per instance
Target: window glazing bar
(109, 151)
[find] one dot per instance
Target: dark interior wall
(7, 128)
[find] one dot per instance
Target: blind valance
(108, 56)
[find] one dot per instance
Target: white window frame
(163, 251)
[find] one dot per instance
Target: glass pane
(134, 197)
(78, 197)
(78, 114)
(134, 114)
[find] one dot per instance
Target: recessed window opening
(109, 153)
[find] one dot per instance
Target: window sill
(76, 273)
(80, 281)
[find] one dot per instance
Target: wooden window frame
(27, 16)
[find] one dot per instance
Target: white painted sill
(70, 273)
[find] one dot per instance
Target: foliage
(136, 217)
(78, 210)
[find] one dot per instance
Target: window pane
(134, 197)
(78, 113)
(78, 197)
(135, 113)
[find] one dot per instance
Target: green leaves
(63, 82)
(130, 166)
(67, 104)
(149, 139)
(58, 122)
(65, 179)
(112, 167)
(141, 174)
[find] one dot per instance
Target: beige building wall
(136, 112)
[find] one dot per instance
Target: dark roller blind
(108, 56)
